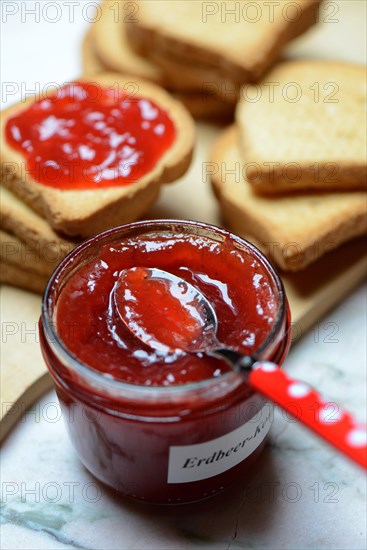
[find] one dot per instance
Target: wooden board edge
(356, 275)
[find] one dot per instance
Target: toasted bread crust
(112, 48)
(20, 254)
(206, 108)
(20, 220)
(316, 142)
(294, 230)
(13, 275)
(181, 31)
(90, 61)
(82, 214)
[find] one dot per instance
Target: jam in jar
(157, 425)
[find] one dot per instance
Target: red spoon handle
(323, 417)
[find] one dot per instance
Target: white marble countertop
(303, 495)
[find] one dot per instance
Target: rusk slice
(14, 275)
(203, 104)
(305, 127)
(16, 252)
(294, 230)
(20, 220)
(112, 48)
(87, 212)
(240, 39)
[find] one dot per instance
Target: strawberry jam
(87, 136)
(242, 298)
(177, 319)
(161, 424)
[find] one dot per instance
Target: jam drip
(88, 136)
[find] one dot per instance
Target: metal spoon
(328, 420)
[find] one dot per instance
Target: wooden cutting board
(311, 293)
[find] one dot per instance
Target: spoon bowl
(194, 322)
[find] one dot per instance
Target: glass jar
(159, 444)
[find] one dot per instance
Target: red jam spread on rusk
(88, 136)
(236, 284)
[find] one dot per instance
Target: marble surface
(303, 495)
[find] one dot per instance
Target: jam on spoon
(169, 314)
(162, 310)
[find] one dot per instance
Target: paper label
(194, 462)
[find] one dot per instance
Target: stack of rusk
(202, 52)
(291, 173)
(30, 248)
(41, 222)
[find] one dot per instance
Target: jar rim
(86, 372)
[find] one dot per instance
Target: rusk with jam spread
(86, 212)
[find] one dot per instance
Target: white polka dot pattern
(267, 366)
(332, 423)
(298, 390)
(330, 413)
(357, 437)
